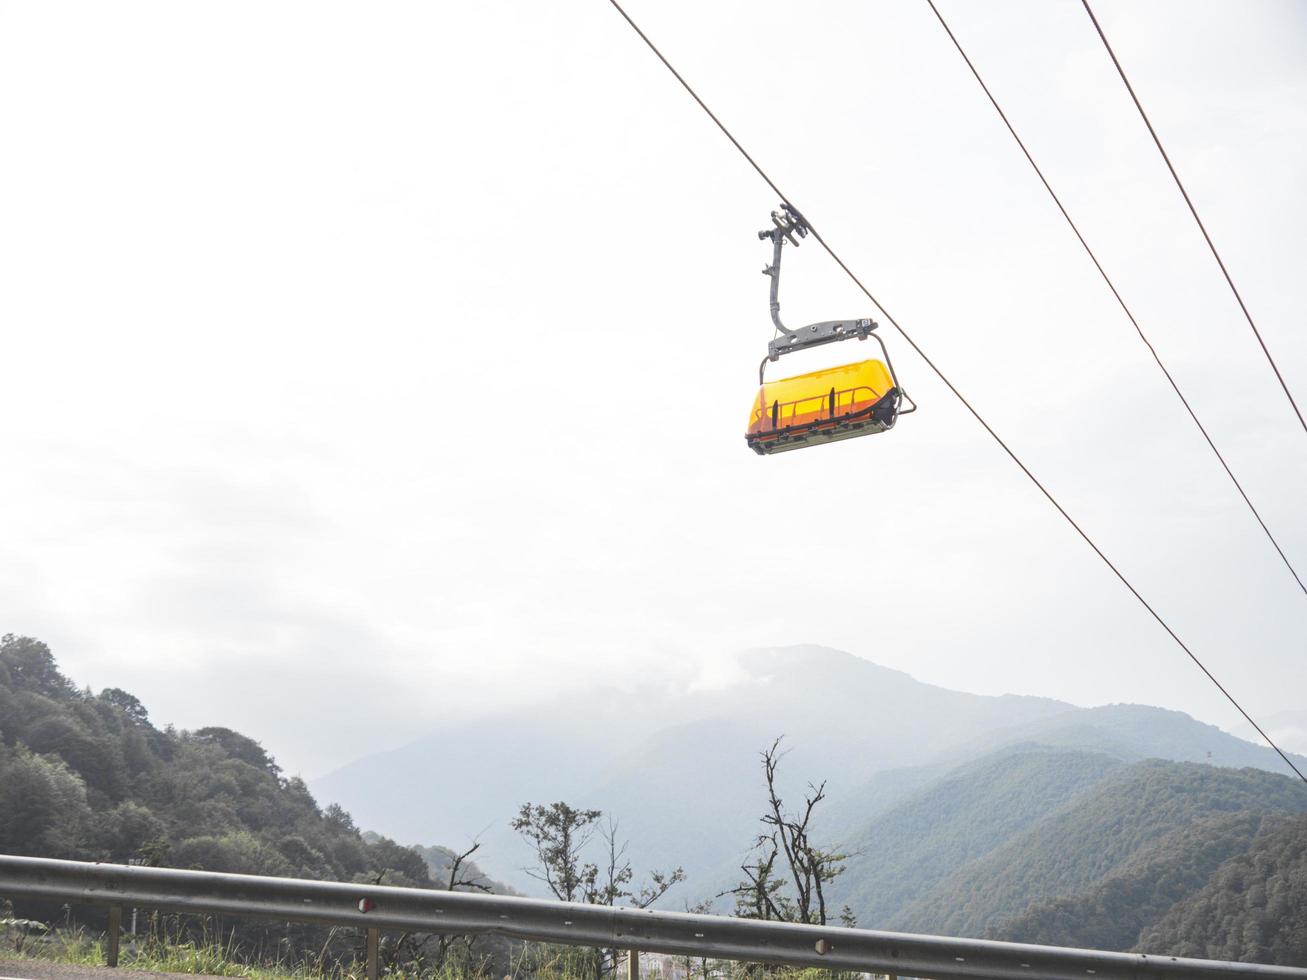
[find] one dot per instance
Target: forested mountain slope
(87, 776)
(1254, 908)
(1091, 836)
(848, 815)
(1112, 913)
(908, 850)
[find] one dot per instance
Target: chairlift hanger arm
(786, 225)
(789, 225)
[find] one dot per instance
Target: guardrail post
(374, 945)
(632, 964)
(115, 932)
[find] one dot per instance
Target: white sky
(368, 362)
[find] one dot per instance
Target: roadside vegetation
(199, 949)
(88, 776)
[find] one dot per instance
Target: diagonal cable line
(1194, 211)
(958, 394)
(1120, 300)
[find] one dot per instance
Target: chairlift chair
(857, 399)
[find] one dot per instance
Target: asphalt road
(46, 970)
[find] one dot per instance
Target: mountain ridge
(645, 756)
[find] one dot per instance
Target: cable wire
(958, 394)
(1120, 300)
(1194, 211)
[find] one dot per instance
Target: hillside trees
(1091, 836)
(1111, 914)
(1253, 909)
(89, 777)
(43, 805)
(903, 853)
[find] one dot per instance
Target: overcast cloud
(365, 363)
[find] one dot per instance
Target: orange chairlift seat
(857, 399)
(844, 402)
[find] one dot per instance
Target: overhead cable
(1194, 211)
(1119, 299)
(958, 394)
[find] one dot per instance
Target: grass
(175, 950)
(156, 952)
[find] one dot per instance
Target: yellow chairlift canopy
(834, 403)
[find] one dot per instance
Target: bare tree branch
(809, 867)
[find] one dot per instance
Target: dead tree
(806, 868)
(461, 879)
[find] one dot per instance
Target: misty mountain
(1135, 731)
(680, 772)
(679, 769)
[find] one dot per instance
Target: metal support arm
(786, 224)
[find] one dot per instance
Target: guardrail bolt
(115, 932)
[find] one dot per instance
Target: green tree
(43, 808)
(95, 756)
(240, 852)
(559, 834)
(124, 832)
(238, 746)
(128, 704)
(31, 667)
(1252, 909)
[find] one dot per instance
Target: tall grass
(174, 945)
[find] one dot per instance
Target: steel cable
(1194, 211)
(958, 394)
(1119, 299)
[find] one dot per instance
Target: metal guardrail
(376, 908)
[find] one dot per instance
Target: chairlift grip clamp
(786, 224)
